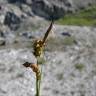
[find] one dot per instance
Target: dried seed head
(33, 66)
(39, 44)
(38, 48)
(26, 64)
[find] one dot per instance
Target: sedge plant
(38, 48)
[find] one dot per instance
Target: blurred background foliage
(82, 17)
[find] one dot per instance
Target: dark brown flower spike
(39, 44)
(47, 32)
(38, 48)
(33, 66)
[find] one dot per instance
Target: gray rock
(26, 9)
(27, 35)
(12, 20)
(2, 41)
(29, 2)
(3, 2)
(57, 8)
(9, 37)
(2, 18)
(16, 1)
(48, 8)
(1, 34)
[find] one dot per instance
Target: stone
(1, 34)
(2, 41)
(26, 9)
(29, 2)
(12, 20)
(2, 18)
(27, 35)
(16, 1)
(57, 8)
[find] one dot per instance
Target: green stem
(37, 87)
(40, 79)
(38, 82)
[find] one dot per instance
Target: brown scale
(34, 67)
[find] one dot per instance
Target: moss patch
(83, 17)
(69, 40)
(79, 66)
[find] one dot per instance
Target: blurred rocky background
(69, 65)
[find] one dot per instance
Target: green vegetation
(69, 40)
(79, 66)
(84, 17)
(57, 44)
(59, 76)
(41, 60)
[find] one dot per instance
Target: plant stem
(38, 84)
(37, 87)
(38, 81)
